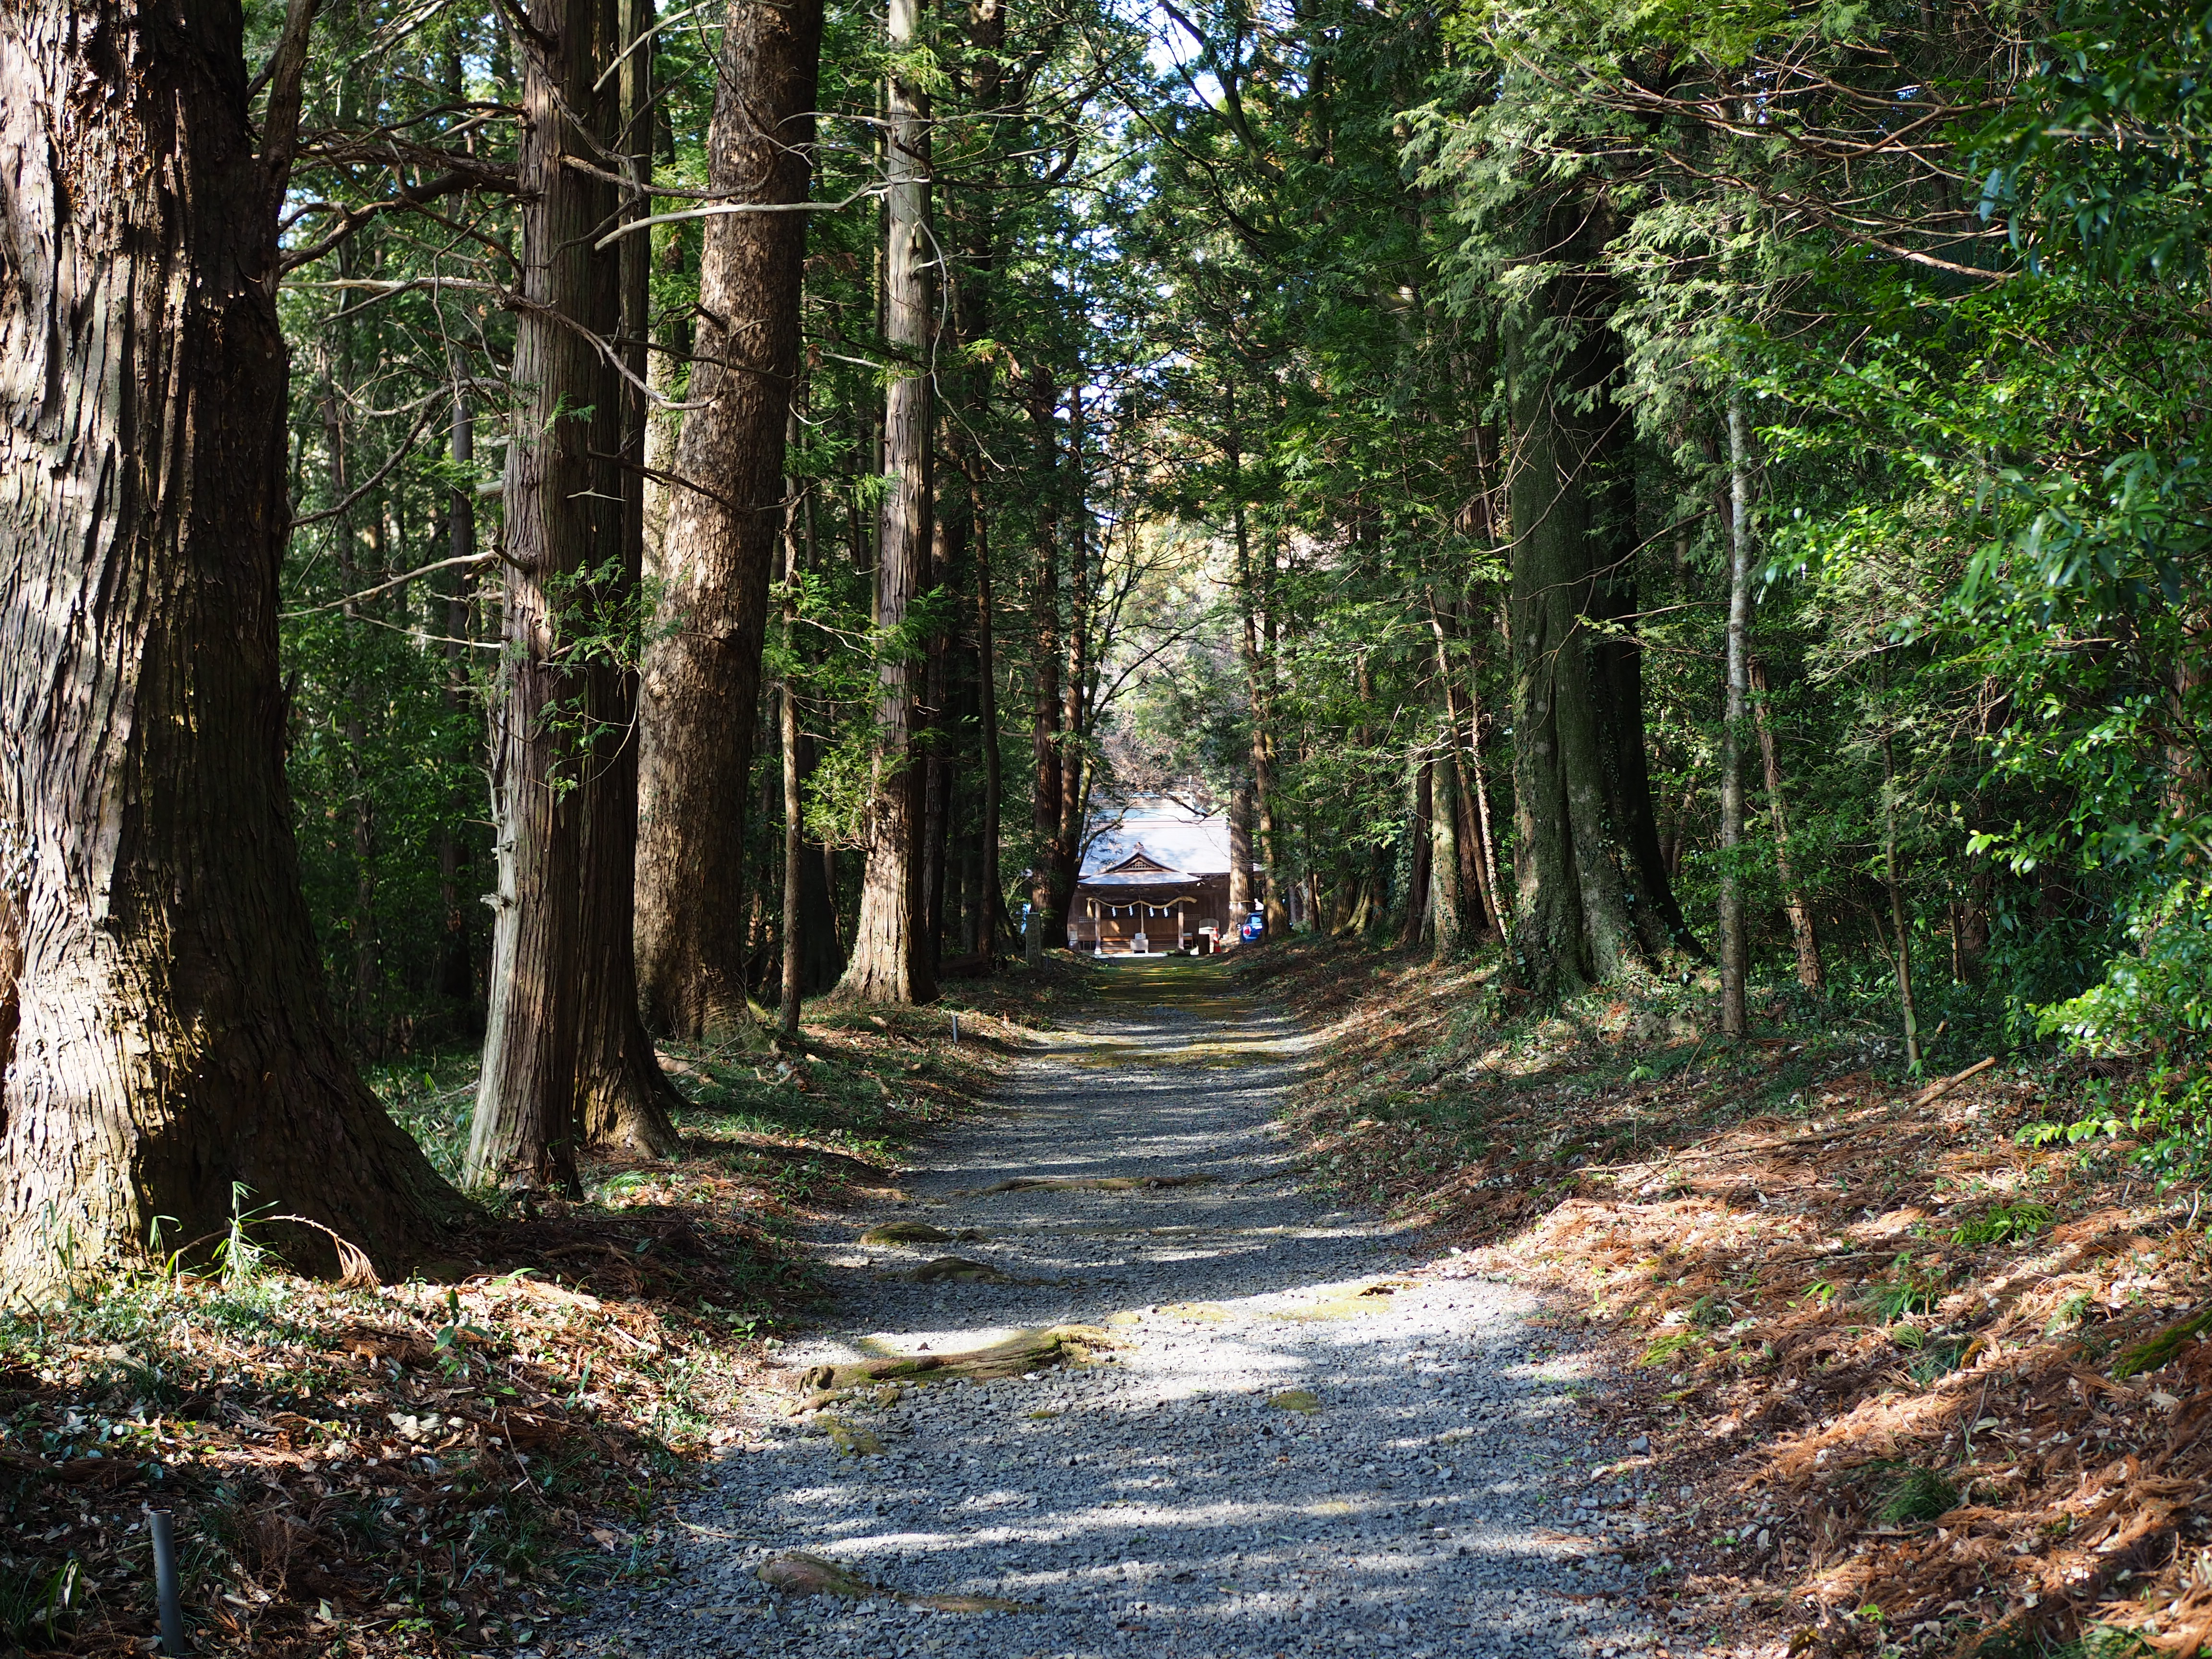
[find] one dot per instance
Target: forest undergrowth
(1927, 1375)
(435, 1466)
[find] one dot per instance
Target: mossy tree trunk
(1592, 894)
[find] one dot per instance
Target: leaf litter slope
(1915, 1374)
(1244, 1420)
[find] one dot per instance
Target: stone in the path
(800, 1574)
(850, 1439)
(1012, 1356)
(1296, 1400)
(938, 1269)
(967, 1603)
(919, 1232)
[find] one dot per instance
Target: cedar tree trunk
(1044, 708)
(703, 671)
(566, 514)
(1592, 891)
(624, 1097)
(167, 1030)
(888, 963)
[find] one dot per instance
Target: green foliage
(1912, 1493)
(36, 1603)
(2003, 1224)
(1905, 1290)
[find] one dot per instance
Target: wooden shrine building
(1155, 882)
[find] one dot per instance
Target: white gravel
(1444, 1499)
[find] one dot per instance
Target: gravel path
(1438, 1495)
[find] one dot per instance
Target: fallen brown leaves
(1878, 1319)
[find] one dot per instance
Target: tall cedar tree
(702, 677)
(566, 512)
(162, 1013)
(891, 960)
(622, 1097)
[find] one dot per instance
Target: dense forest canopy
(640, 521)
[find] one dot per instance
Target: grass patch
(1913, 1494)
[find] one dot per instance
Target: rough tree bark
(565, 514)
(168, 1030)
(1447, 902)
(1255, 597)
(703, 672)
(888, 963)
(622, 1095)
(1593, 895)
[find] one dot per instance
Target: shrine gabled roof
(1174, 842)
(1141, 860)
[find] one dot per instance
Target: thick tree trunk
(623, 1097)
(1255, 595)
(702, 706)
(168, 1032)
(948, 551)
(1593, 895)
(565, 514)
(1734, 1020)
(889, 964)
(1075, 765)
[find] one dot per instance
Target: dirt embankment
(1924, 1384)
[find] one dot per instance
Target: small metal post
(165, 1582)
(955, 1029)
